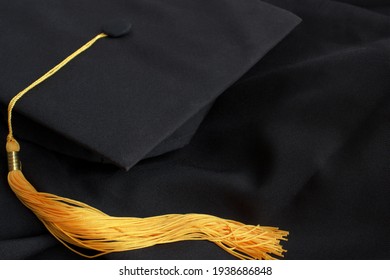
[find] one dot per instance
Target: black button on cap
(117, 28)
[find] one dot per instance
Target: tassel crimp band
(13, 161)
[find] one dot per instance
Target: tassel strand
(79, 224)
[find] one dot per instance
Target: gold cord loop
(50, 73)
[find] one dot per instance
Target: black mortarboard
(139, 96)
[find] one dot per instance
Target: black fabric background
(301, 141)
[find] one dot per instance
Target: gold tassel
(76, 224)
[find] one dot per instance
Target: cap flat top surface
(124, 96)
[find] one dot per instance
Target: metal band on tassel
(13, 161)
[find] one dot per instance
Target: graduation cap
(144, 94)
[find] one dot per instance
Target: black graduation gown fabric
(232, 108)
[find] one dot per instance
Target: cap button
(117, 28)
